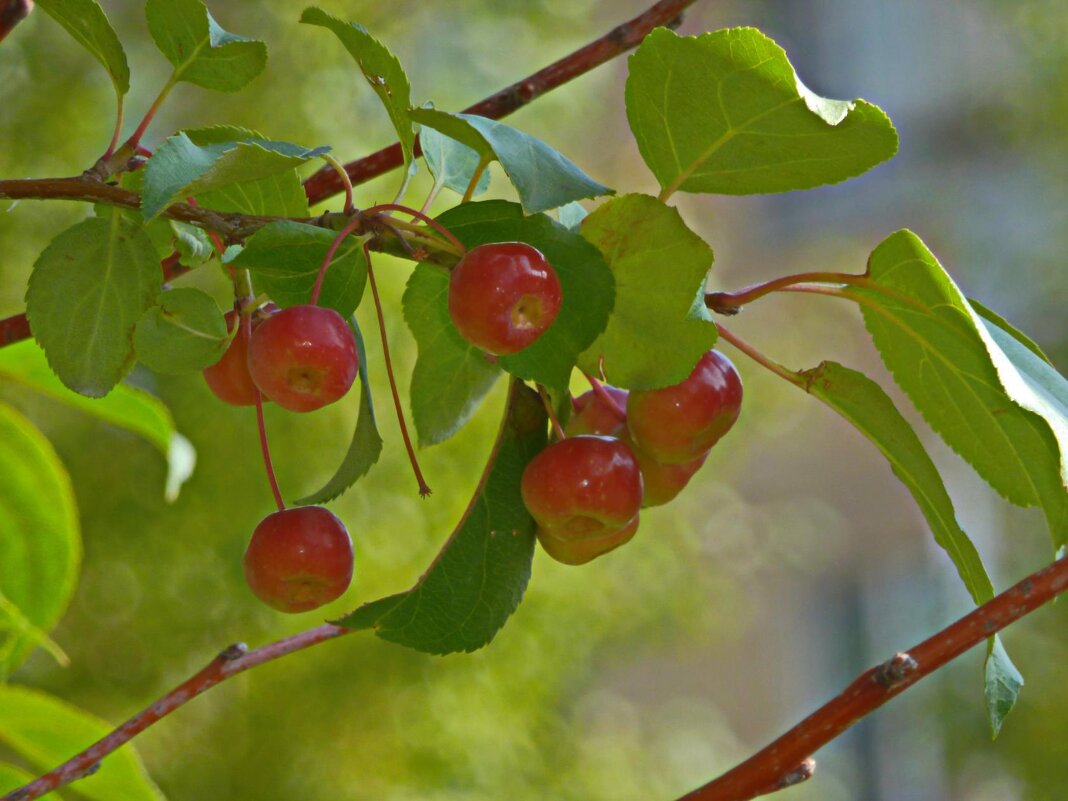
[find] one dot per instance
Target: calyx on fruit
(503, 296)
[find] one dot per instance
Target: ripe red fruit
(594, 415)
(679, 423)
(663, 482)
(578, 552)
(303, 358)
(583, 488)
(503, 296)
(299, 559)
(228, 378)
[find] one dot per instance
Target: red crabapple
(578, 552)
(299, 559)
(594, 415)
(503, 296)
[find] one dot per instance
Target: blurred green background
(794, 561)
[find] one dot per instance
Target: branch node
(802, 773)
(232, 652)
(895, 670)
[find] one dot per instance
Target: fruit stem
(352, 225)
(424, 489)
(602, 393)
(339, 168)
(441, 229)
(558, 430)
(732, 302)
(475, 176)
(783, 372)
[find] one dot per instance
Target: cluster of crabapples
(619, 451)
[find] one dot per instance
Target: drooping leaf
(184, 332)
(587, 285)
(991, 398)
(543, 177)
(40, 541)
(45, 731)
(86, 292)
(660, 267)
(125, 407)
(285, 257)
(180, 168)
(200, 50)
(1002, 683)
(381, 69)
(451, 376)
(278, 195)
(867, 407)
(88, 24)
(477, 580)
(366, 445)
(724, 112)
(452, 163)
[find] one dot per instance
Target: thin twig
(325, 183)
(877, 685)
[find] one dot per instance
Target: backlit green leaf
(202, 52)
(724, 113)
(285, 257)
(180, 168)
(543, 177)
(40, 542)
(381, 69)
(451, 376)
(1002, 683)
(989, 396)
(477, 580)
(86, 293)
(184, 332)
(45, 731)
(660, 267)
(366, 445)
(452, 163)
(88, 24)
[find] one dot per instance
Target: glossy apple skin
(579, 552)
(228, 378)
(663, 482)
(299, 559)
(503, 296)
(583, 488)
(593, 415)
(303, 357)
(677, 424)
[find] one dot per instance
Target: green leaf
(381, 69)
(184, 332)
(203, 53)
(543, 177)
(40, 542)
(452, 163)
(571, 215)
(366, 445)
(192, 243)
(1001, 684)
(45, 731)
(180, 167)
(285, 257)
(724, 113)
(86, 292)
(660, 267)
(477, 580)
(993, 319)
(991, 398)
(279, 195)
(451, 376)
(587, 284)
(867, 407)
(125, 407)
(88, 24)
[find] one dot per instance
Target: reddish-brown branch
(12, 12)
(235, 659)
(768, 769)
(14, 329)
(326, 183)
